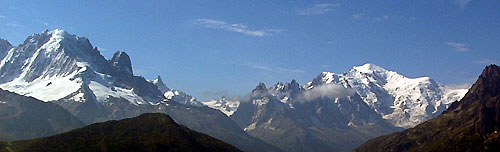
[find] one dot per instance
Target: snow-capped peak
(227, 107)
(369, 68)
(175, 95)
(161, 86)
(55, 65)
(404, 101)
(57, 33)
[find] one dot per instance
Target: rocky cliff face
(471, 124)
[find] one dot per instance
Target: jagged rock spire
(260, 90)
(5, 46)
(161, 86)
(122, 61)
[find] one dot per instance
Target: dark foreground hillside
(147, 132)
(28, 118)
(471, 124)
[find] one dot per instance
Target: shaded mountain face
(27, 118)
(122, 62)
(65, 69)
(5, 46)
(297, 119)
(147, 132)
(471, 124)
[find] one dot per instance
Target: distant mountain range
(337, 112)
(403, 101)
(333, 112)
(471, 124)
(147, 132)
(315, 123)
(61, 68)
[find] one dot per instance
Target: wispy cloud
(318, 9)
(357, 16)
(326, 91)
(101, 49)
(45, 23)
(462, 3)
(238, 27)
(488, 61)
(391, 17)
(461, 47)
(274, 69)
(13, 24)
(381, 18)
(1, 16)
(459, 86)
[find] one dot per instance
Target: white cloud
(459, 86)
(357, 16)
(275, 69)
(381, 18)
(327, 90)
(462, 3)
(101, 49)
(392, 17)
(488, 61)
(461, 47)
(13, 24)
(240, 28)
(318, 9)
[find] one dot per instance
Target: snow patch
(44, 89)
(223, 105)
(103, 92)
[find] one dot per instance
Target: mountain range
(315, 123)
(471, 124)
(147, 132)
(338, 111)
(333, 112)
(404, 102)
(65, 69)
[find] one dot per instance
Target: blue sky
(213, 48)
